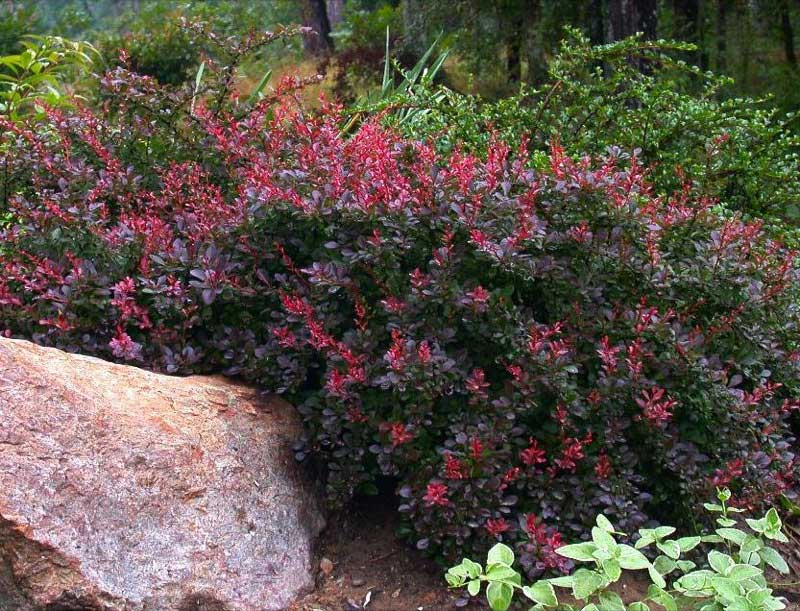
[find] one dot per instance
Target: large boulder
(127, 490)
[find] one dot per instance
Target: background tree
(496, 45)
(787, 33)
(626, 17)
(314, 14)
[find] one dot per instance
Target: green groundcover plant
(731, 576)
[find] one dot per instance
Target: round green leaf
(656, 577)
(499, 595)
(727, 588)
(578, 551)
(453, 580)
(743, 571)
(542, 593)
(751, 544)
(632, 559)
(773, 519)
(501, 572)
(665, 565)
(719, 562)
(662, 597)
(610, 601)
(603, 523)
(732, 534)
(473, 568)
(688, 543)
(603, 539)
(500, 554)
(670, 548)
(612, 569)
(567, 581)
(774, 559)
(696, 583)
(586, 583)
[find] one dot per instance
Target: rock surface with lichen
(122, 489)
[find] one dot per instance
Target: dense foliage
(518, 341)
(148, 32)
(496, 44)
(35, 76)
(739, 151)
(14, 25)
(156, 45)
(502, 43)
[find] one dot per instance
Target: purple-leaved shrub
(519, 345)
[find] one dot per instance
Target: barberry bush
(519, 343)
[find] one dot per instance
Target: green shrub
(36, 76)
(362, 42)
(155, 45)
(15, 23)
(367, 28)
(740, 152)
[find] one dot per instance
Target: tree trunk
(689, 18)
(314, 14)
(722, 34)
(702, 42)
(616, 20)
(596, 21)
(626, 17)
(514, 51)
(647, 11)
(745, 19)
(335, 10)
(414, 27)
(119, 6)
(787, 34)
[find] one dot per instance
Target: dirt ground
(364, 566)
(791, 552)
(371, 569)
